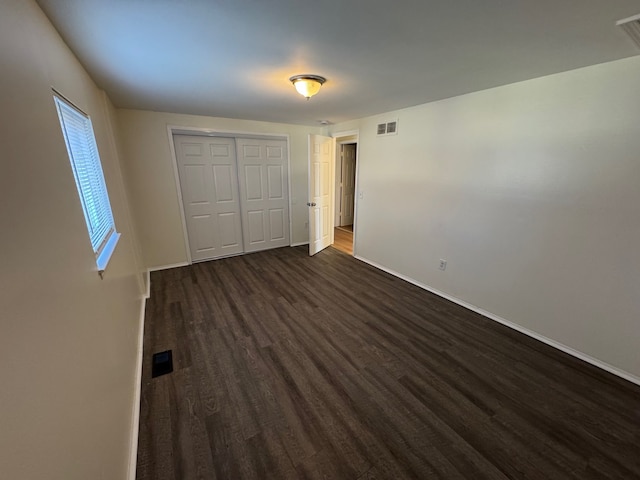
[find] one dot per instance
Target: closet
(234, 194)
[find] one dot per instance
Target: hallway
(343, 239)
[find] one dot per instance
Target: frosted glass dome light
(307, 85)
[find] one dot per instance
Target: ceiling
(233, 58)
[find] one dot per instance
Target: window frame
(82, 150)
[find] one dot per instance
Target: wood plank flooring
(343, 240)
(297, 367)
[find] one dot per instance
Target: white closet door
(208, 180)
(264, 196)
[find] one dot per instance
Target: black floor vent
(162, 363)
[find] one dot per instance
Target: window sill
(103, 259)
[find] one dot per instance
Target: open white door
(321, 182)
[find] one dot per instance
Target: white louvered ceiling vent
(389, 128)
(631, 26)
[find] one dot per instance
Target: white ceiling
(233, 58)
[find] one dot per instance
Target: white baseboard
(299, 244)
(135, 409)
(582, 356)
(167, 267)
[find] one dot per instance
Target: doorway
(345, 192)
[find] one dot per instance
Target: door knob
(312, 204)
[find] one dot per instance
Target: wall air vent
(389, 128)
(162, 363)
(392, 127)
(631, 26)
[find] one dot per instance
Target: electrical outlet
(443, 264)
(306, 225)
(360, 195)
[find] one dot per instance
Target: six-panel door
(209, 184)
(321, 179)
(234, 193)
(263, 180)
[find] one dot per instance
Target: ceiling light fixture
(307, 85)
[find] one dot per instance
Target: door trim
(343, 135)
(215, 132)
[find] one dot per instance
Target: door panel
(195, 179)
(276, 224)
(255, 222)
(275, 151)
(224, 182)
(321, 182)
(274, 182)
(253, 182)
(220, 150)
(192, 149)
(204, 241)
(251, 151)
(228, 232)
(262, 168)
(208, 180)
(325, 221)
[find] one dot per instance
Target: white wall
(530, 192)
(150, 175)
(68, 340)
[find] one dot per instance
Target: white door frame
(339, 180)
(209, 132)
(338, 136)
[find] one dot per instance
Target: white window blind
(87, 170)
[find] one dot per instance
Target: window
(85, 163)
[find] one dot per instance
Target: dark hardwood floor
(289, 366)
